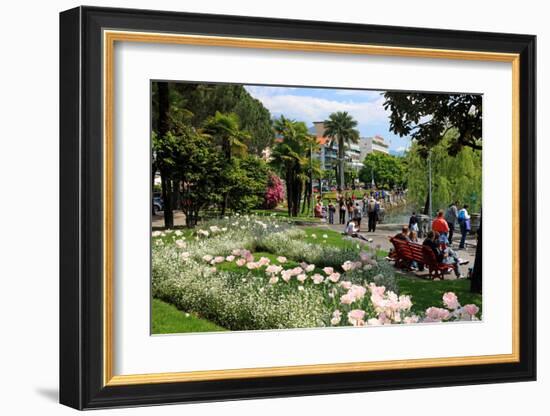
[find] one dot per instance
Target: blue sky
(315, 104)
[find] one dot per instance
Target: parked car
(158, 205)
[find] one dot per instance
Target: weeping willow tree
(454, 178)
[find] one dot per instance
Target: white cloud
(309, 109)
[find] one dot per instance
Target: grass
(283, 213)
(426, 293)
(167, 319)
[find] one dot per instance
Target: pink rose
(230, 258)
(435, 314)
(450, 301)
(471, 309)
(281, 259)
(355, 317)
(347, 299)
(317, 278)
(334, 277)
(328, 270)
(301, 277)
(240, 262)
(345, 284)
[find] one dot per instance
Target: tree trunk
(341, 163)
(164, 127)
(289, 193)
(427, 205)
(167, 199)
(476, 282)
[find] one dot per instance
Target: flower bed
(252, 273)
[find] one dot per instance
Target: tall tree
(225, 129)
(341, 127)
(387, 170)
(290, 156)
(163, 129)
(426, 118)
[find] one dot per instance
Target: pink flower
(345, 284)
(219, 259)
(317, 278)
(236, 252)
(273, 279)
(355, 317)
(328, 270)
(378, 290)
(347, 299)
(434, 314)
(450, 301)
(286, 275)
(263, 261)
(347, 266)
(471, 309)
(336, 317)
(207, 257)
(357, 291)
(296, 271)
(230, 258)
(252, 265)
(334, 277)
(281, 259)
(273, 269)
(374, 322)
(405, 302)
(309, 268)
(411, 319)
(240, 262)
(301, 277)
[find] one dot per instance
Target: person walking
(331, 212)
(413, 222)
(464, 222)
(440, 225)
(342, 205)
(372, 212)
(451, 216)
(357, 215)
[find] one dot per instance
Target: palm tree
(341, 126)
(291, 156)
(225, 129)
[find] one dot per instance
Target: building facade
(372, 145)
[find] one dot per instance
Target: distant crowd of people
(349, 208)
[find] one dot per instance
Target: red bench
(405, 252)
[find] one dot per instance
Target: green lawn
(426, 293)
(167, 319)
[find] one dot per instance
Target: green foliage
(202, 101)
(388, 170)
(167, 319)
(454, 178)
(425, 118)
(248, 177)
(291, 156)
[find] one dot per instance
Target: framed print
(259, 207)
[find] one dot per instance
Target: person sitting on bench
(446, 256)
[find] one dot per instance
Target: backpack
(461, 215)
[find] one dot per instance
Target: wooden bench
(405, 252)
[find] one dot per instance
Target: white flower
(300, 288)
(301, 277)
(185, 256)
(309, 268)
(207, 257)
(178, 233)
(281, 259)
(325, 236)
(180, 244)
(156, 234)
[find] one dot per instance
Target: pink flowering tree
(274, 193)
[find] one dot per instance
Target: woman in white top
(464, 222)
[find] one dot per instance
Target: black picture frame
(81, 201)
